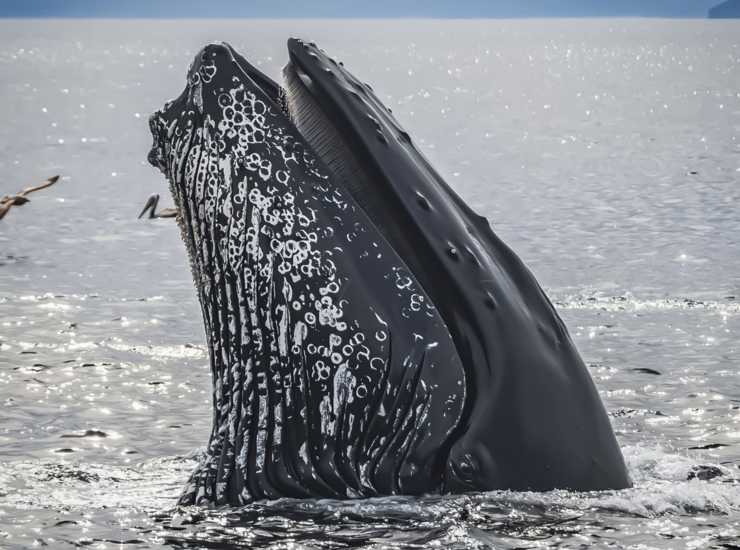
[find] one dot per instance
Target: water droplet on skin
(452, 251)
(381, 137)
(491, 301)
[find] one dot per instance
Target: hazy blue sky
(339, 8)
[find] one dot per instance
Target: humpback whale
(368, 333)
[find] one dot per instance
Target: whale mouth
(345, 147)
(347, 144)
(346, 126)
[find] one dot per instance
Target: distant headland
(726, 10)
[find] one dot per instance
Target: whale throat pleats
(334, 374)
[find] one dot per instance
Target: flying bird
(20, 198)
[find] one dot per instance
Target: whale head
(368, 332)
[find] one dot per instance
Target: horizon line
(358, 17)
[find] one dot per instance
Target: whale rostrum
(368, 333)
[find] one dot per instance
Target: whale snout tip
(215, 49)
(208, 58)
(299, 47)
(295, 42)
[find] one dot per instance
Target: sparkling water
(605, 152)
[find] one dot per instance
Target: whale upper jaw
(527, 415)
(532, 418)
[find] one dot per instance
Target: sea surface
(605, 152)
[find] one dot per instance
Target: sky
(351, 8)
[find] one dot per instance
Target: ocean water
(605, 152)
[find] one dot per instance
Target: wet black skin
(533, 419)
